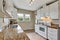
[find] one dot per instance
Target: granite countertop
(56, 26)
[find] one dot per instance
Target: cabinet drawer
(36, 26)
(54, 35)
(52, 30)
(49, 34)
(55, 38)
(50, 38)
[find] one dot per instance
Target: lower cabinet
(52, 34)
(47, 32)
(37, 28)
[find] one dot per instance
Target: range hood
(46, 18)
(3, 13)
(7, 9)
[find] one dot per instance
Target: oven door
(43, 30)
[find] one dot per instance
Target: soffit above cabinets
(24, 4)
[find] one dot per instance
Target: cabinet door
(54, 10)
(47, 11)
(52, 34)
(40, 13)
(37, 28)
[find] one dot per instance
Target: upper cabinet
(50, 10)
(40, 13)
(47, 11)
(53, 10)
(43, 12)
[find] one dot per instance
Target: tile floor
(34, 36)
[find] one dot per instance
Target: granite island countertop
(14, 34)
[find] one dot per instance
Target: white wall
(27, 25)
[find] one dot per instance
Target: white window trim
(24, 17)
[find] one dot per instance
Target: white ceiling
(24, 4)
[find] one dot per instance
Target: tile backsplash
(56, 21)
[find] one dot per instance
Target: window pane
(27, 17)
(20, 17)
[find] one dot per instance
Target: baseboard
(27, 28)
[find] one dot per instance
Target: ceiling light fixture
(31, 2)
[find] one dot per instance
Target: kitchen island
(13, 34)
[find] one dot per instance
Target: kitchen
(41, 18)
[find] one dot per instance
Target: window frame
(24, 17)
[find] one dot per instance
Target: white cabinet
(52, 34)
(40, 13)
(37, 28)
(53, 8)
(50, 10)
(47, 11)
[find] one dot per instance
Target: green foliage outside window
(25, 18)
(20, 19)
